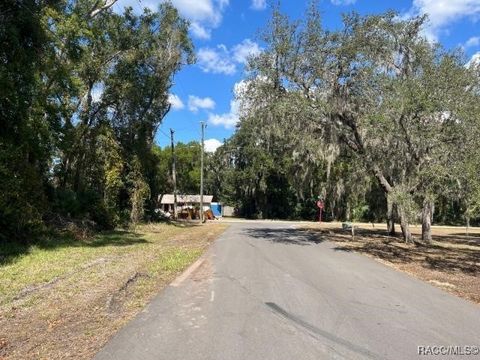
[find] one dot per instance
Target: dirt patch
(451, 262)
(34, 288)
(117, 299)
(73, 315)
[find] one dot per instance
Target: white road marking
(212, 296)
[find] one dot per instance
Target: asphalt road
(269, 291)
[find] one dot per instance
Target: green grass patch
(174, 260)
(24, 268)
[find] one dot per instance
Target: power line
(140, 7)
(163, 133)
(189, 127)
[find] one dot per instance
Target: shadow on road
(447, 253)
(285, 236)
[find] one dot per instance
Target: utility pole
(174, 175)
(201, 171)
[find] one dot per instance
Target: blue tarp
(216, 209)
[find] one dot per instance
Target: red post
(320, 207)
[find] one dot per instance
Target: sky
(225, 33)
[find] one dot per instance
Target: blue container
(216, 209)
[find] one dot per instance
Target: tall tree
(25, 137)
(376, 87)
(84, 90)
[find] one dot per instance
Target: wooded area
(84, 91)
(373, 118)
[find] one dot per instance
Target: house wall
(228, 210)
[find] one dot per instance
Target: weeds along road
(270, 291)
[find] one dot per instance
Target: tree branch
(97, 10)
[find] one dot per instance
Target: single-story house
(185, 203)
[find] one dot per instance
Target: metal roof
(188, 199)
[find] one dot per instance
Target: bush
(22, 201)
(87, 204)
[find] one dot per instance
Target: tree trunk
(387, 188)
(390, 218)
(468, 225)
(407, 235)
(427, 215)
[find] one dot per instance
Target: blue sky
(225, 32)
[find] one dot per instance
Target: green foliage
(21, 195)
(254, 172)
(83, 92)
(360, 115)
(404, 200)
(139, 192)
(110, 156)
(345, 113)
(187, 168)
(25, 143)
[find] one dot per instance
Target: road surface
(270, 291)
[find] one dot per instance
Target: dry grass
(65, 301)
(450, 262)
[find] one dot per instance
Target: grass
(51, 258)
(63, 298)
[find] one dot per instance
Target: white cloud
(195, 103)
(205, 11)
(216, 61)
(199, 31)
(211, 145)
(259, 4)
(176, 102)
(443, 13)
(237, 107)
(343, 2)
(204, 15)
(474, 60)
(227, 120)
(221, 60)
(246, 48)
(473, 42)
